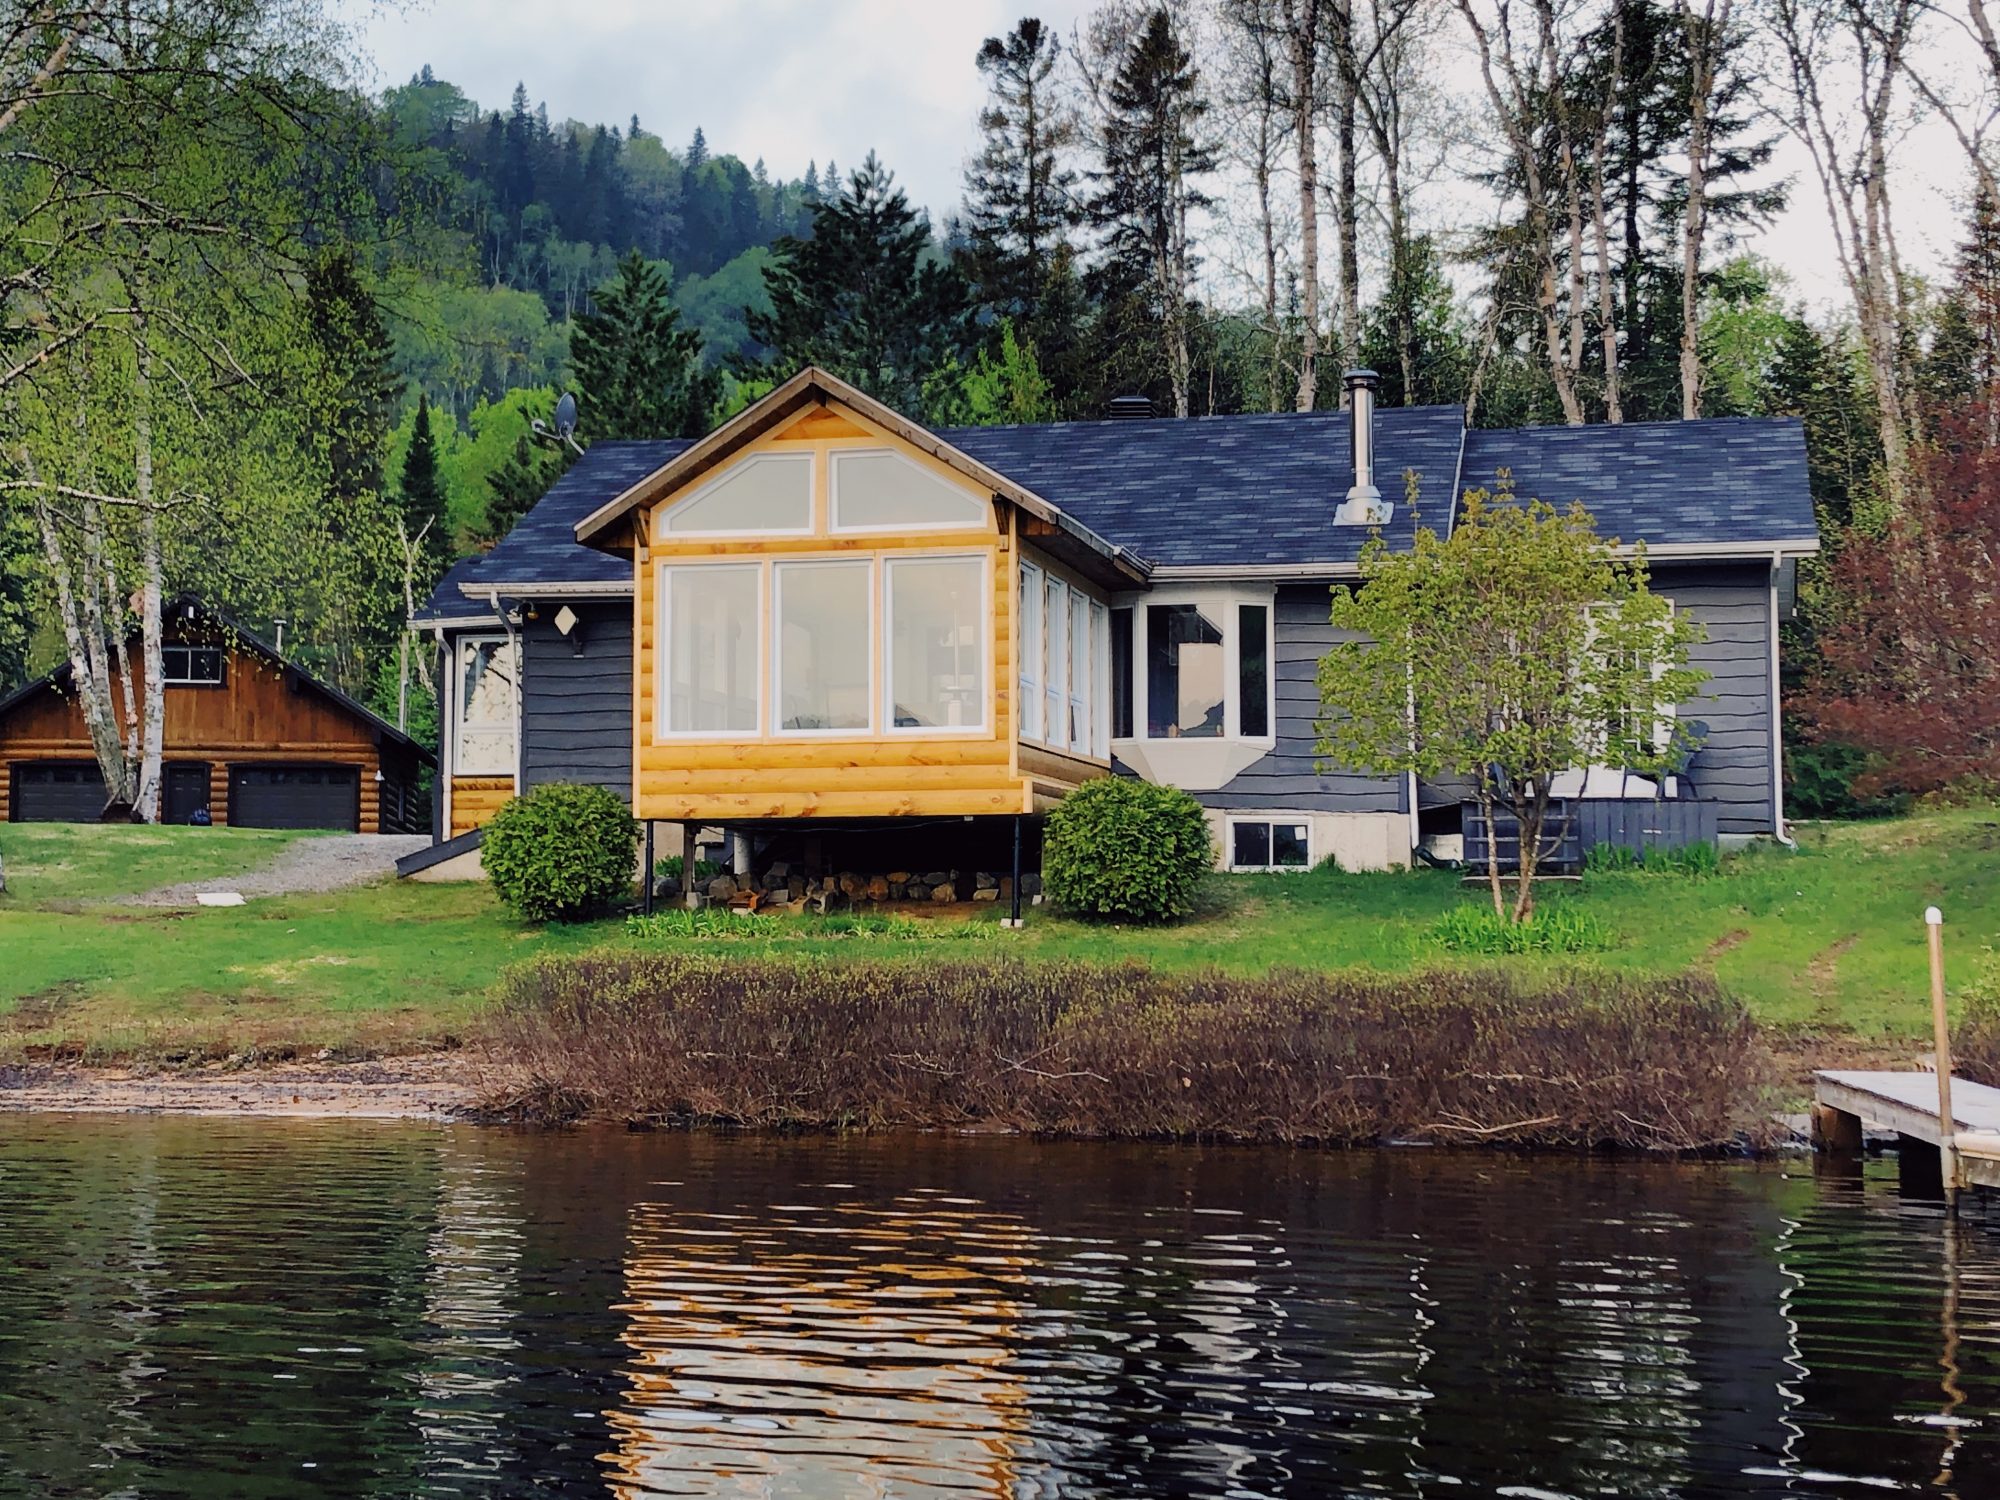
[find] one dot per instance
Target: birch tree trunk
(85, 654)
(1607, 311)
(1303, 20)
(1347, 204)
(1706, 35)
(152, 744)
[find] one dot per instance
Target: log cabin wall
(886, 774)
(259, 715)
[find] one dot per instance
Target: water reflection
(277, 1309)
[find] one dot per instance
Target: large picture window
(824, 651)
(1055, 648)
(483, 731)
(1186, 673)
(713, 617)
(937, 643)
(1030, 642)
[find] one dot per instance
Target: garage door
(295, 797)
(69, 791)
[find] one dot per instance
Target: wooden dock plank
(1907, 1103)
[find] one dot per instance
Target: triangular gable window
(770, 492)
(875, 489)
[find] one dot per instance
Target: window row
(1207, 671)
(872, 489)
(826, 648)
(1067, 646)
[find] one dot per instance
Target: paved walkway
(311, 864)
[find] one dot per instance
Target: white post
(1941, 1027)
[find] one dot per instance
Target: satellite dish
(564, 430)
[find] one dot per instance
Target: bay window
(937, 642)
(1253, 671)
(1121, 674)
(823, 677)
(714, 618)
(1185, 673)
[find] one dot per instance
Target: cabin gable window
(767, 494)
(191, 666)
(878, 489)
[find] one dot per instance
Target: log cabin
(823, 618)
(252, 740)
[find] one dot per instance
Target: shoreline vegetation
(1321, 1007)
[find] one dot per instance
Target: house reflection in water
(834, 1348)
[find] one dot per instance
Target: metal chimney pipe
(1364, 505)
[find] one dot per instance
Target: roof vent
(1131, 408)
(1364, 505)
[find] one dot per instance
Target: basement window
(1270, 844)
(191, 666)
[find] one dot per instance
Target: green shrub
(1124, 848)
(1552, 929)
(561, 852)
(1694, 861)
(1819, 783)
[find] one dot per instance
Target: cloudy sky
(795, 81)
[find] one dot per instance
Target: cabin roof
(239, 637)
(1718, 482)
(1257, 492)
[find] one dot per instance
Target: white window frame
(490, 735)
(1665, 715)
(1028, 642)
(663, 649)
(1055, 658)
(1082, 654)
(1268, 818)
(665, 531)
(1223, 607)
(836, 526)
(775, 683)
(168, 679)
(1100, 708)
(887, 669)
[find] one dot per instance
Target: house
(250, 738)
(824, 621)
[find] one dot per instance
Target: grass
(1828, 940)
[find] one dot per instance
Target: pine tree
(423, 495)
(1153, 149)
(1020, 201)
(862, 298)
(639, 370)
(357, 359)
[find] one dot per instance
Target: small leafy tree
(1519, 647)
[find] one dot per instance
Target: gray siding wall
(576, 707)
(1732, 602)
(1286, 779)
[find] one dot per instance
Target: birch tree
(1840, 62)
(1708, 32)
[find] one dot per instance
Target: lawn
(1828, 940)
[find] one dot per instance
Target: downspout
(514, 649)
(1777, 720)
(447, 724)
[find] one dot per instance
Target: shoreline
(433, 1087)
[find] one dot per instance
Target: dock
(1907, 1103)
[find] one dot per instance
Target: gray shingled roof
(1260, 490)
(1226, 491)
(1720, 480)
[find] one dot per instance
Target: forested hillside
(278, 340)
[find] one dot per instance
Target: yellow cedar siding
(475, 799)
(772, 775)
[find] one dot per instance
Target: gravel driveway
(311, 864)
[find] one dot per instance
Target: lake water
(270, 1308)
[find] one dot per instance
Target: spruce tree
(638, 370)
(520, 481)
(863, 297)
(697, 153)
(423, 497)
(1154, 147)
(359, 380)
(1020, 202)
